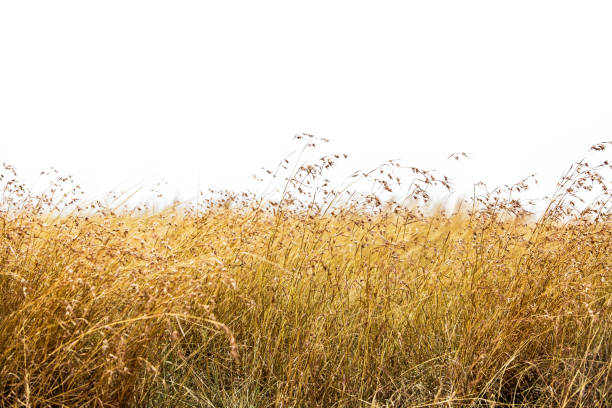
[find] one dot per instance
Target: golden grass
(248, 303)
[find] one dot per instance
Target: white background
(203, 93)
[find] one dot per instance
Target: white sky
(209, 91)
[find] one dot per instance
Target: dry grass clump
(309, 296)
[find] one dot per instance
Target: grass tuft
(309, 296)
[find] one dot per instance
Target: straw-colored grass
(248, 303)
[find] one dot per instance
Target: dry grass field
(318, 298)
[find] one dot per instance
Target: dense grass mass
(243, 302)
